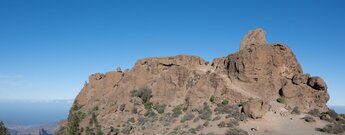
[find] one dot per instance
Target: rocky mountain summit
(188, 95)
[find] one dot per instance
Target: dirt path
(274, 124)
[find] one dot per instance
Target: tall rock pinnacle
(253, 38)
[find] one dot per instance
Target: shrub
(144, 93)
(332, 113)
(222, 124)
(296, 111)
(205, 113)
(216, 118)
(122, 107)
(315, 113)
(281, 100)
(192, 131)
(74, 119)
(236, 131)
(231, 123)
(197, 119)
(177, 111)
(127, 129)
(134, 110)
(333, 129)
(159, 108)
(225, 102)
(3, 129)
(226, 109)
(167, 119)
(93, 120)
(199, 127)
(309, 119)
(114, 131)
(187, 117)
(148, 105)
(206, 124)
(131, 120)
(150, 113)
(212, 99)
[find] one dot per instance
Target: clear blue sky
(50, 47)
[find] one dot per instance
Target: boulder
(256, 108)
(317, 83)
(300, 79)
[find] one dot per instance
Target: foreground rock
(154, 96)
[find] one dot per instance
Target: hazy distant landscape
(31, 116)
(34, 113)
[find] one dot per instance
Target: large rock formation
(258, 71)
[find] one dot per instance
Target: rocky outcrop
(253, 38)
(257, 71)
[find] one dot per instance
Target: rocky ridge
(156, 93)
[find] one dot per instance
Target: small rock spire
(253, 38)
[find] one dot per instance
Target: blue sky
(48, 48)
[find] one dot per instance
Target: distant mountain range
(48, 129)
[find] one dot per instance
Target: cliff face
(259, 72)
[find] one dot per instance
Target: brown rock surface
(256, 108)
(260, 71)
(253, 38)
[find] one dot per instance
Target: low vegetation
(309, 119)
(315, 113)
(74, 118)
(281, 100)
(212, 99)
(187, 117)
(177, 111)
(296, 111)
(3, 129)
(236, 131)
(334, 128)
(144, 93)
(160, 108)
(205, 113)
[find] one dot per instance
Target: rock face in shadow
(260, 71)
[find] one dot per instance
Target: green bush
(122, 107)
(315, 113)
(3, 129)
(333, 129)
(150, 113)
(212, 99)
(332, 113)
(205, 113)
(134, 110)
(192, 131)
(309, 119)
(296, 111)
(177, 111)
(74, 119)
(131, 120)
(281, 100)
(144, 93)
(148, 105)
(225, 102)
(236, 131)
(160, 108)
(187, 117)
